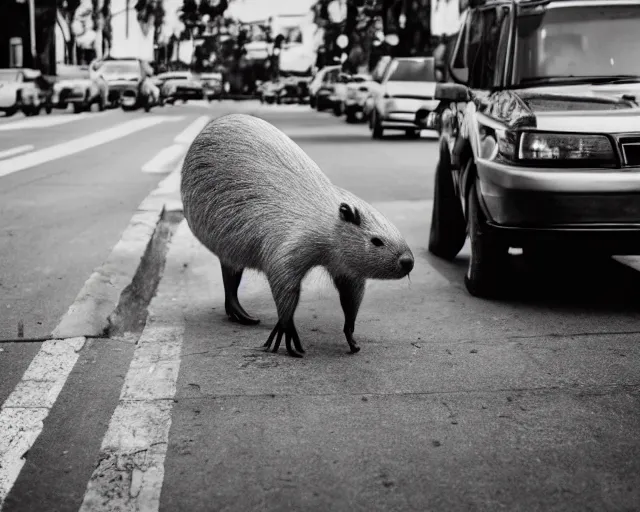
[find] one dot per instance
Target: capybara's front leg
(351, 294)
(286, 298)
(231, 279)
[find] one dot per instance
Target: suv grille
(631, 150)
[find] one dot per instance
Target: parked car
(129, 82)
(180, 85)
(26, 90)
(356, 94)
(408, 85)
(339, 93)
(374, 86)
(78, 86)
(212, 84)
(292, 90)
(539, 146)
(320, 87)
(270, 91)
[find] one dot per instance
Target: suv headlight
(550, 149)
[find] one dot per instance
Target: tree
(68, 10)
(409, 20)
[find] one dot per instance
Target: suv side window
(486, 48)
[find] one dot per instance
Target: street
(453, 403)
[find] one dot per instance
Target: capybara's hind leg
(231, 279)
(286, 301)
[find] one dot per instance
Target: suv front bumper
(583, 206)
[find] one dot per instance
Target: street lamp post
(126, 30)
(32, 31)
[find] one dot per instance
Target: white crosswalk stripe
(165, 161)
(32, 123)
(15, 151)
(22, 162)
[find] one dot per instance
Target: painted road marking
(39, 157)
(16, 151)
(192, 131)
(31, 123)
(130, 468)
(23, 413)
(165, 160)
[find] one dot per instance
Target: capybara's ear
(349, 215)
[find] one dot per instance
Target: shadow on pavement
(567, 282)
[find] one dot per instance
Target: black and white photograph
(319, 255)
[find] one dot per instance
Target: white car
(409, 85)
(357, 91)
(317, 82)
(19, 90)
(376, 83)
(339, 93)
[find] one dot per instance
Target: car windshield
(71, 72)
(121, 68)
(418, 70)
(8, 75)
(578, 43)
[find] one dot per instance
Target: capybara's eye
(376, 241)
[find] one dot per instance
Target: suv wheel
(377, 131)
(488, 255)
(337, 109)
(448, 230)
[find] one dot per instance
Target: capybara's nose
(406, 262)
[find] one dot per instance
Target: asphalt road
(454, 403)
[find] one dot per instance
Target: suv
(408, 85)
(540, 136)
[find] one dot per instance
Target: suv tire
(448, 229)
(488, 255)
(377, 131)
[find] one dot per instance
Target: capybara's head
(369, 245)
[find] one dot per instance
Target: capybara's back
(246, 187)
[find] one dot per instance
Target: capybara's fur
(256, 200)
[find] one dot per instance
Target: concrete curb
(89, 315)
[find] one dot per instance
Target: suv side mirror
(459, 75)
(452, 92)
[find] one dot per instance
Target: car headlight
(566, 149)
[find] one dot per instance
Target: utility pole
(32, 31)
(126, 12)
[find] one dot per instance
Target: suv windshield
(418, 70)
(577, 43)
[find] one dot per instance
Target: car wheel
(337, 109)
(413, 134)
(48, 108)
(312, 101)
(448, 229)
(350, 115)
(377, 131)
(78, 107)
(488, 255)
(147, 103)
(102, 104)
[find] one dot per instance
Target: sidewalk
(434, 413)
